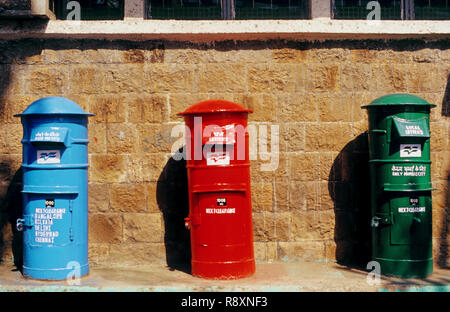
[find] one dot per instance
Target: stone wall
(314, 207)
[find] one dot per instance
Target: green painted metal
(399, 149)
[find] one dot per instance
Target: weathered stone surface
(108, 109)
(271, 78)
(47, 81)
(122, 138)
(341, 134)
(299, 107)
(147, 108)
(89, 79)
(304, 166)
(128, 197)
(136, 253)
(288, 55)
(105, 228)
(146, 167)
(106, 168)
(304, 209)
(143, 227)
(301, 251)
(221, 78)
(323, 78)
(154, 138)
(169, 78)
(98, 197)
(123, 79)
(97, 138)
(262, 194)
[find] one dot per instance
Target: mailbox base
(223, 270)
(406, 268)
(55, 274)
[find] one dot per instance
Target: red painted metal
(220, 211)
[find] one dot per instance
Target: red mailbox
(220, 211)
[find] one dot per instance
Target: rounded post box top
(215, 106)
(53, 105)
(398, 99)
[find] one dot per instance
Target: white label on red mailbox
(217, 158)
(48, 157)
(222, 135)
(220, 210)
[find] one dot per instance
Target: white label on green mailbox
(410, 150)
(48, 157)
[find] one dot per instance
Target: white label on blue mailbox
(410, 150)
(48, 157)
(44, 218)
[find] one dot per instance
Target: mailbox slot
(50, 136)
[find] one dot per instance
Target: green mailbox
(399, 149)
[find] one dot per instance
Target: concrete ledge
(318, 29)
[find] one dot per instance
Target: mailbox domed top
(215, 106)
(398, 99)
(53, 105)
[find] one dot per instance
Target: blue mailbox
(55, 189)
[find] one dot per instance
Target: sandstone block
(97, 138)
(222, 78)
(126, 78)
(282, 226)
(323, 78)
(128, 197)
(108, 109)
(122, 138)
(146, 167)
(146, 108)
(315, 134)
(137, 253)
(143, 227)
(107, 168)
(281, 194)
(47, 81)
(88, 77)
(297, 107)
(301, 251)
(262, 196)
(98, 197)
(105, 228)
(289, 55)
(154, 138)
(271, 78)
(160, 78)
(304, 167)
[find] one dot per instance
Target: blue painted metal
(55, 189)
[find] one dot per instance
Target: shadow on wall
(173, 201)
(12, 54)
(349, 187)
(443, 258)
(10, 211)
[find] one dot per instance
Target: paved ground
(279, 276)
